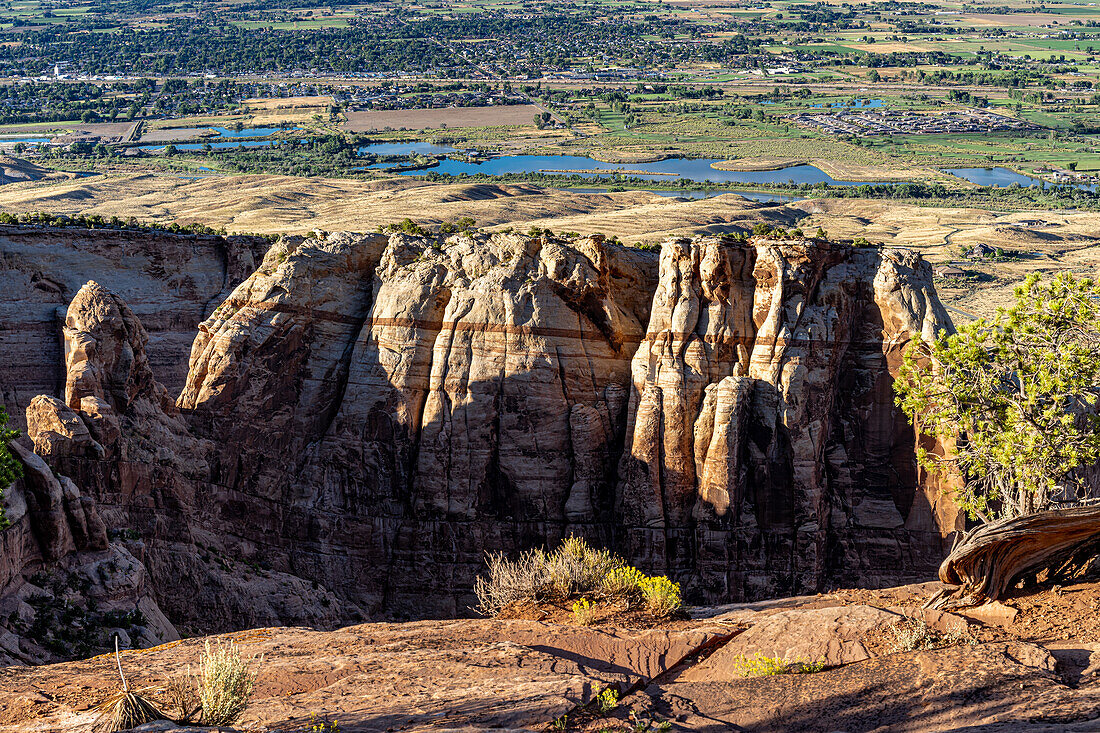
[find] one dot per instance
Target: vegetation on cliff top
(1012, 398)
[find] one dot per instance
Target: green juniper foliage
(10, 469)
(1013, 398)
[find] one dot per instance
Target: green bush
(10, 468)
(623, 581)
(662, 596)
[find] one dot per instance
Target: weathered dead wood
(992, 557)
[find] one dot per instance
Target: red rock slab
(832, 636)
(1000, 686)
(428, 675)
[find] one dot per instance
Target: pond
(670, 169)
(32, 140)
(250, 131)
(1004, 177)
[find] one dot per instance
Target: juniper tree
(1012, 398)
(10, 469)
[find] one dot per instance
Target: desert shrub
(536, 575)
(126, 708)
(407, 226)
(915, 635)
(576, 567)
(662, 596)
(607, 700)
(572, 570)
(622, 581)
(181, 699)
(584, 612)
(912, 635)
(225, 684)
(509, 581)
(760, 665)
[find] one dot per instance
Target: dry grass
(276, 204)
(758, 164)
(297, 110)
(452, 117)
(846, 171)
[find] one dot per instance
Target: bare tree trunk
(992, 557)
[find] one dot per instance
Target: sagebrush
(225, 684)
(573, 570)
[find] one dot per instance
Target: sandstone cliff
(365, 416)
(172, 281)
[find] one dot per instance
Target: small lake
(24, 140)
(250, 131)
(406, 149)
(1003, 177)
(670, 169)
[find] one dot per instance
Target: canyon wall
(365, 416)
(172, 281)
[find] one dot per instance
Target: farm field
(959, 103)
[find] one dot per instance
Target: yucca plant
(125, 709)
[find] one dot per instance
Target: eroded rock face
(766, 455)
(425, 404)
(123, 441)
(372, 414)
(171, 281)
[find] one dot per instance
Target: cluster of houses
(1058, 175)
(400, 98)
(892, 122)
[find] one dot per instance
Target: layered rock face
(373, 414)
(765, 452)
(172, 281)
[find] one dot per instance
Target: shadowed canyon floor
(1012, 675)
